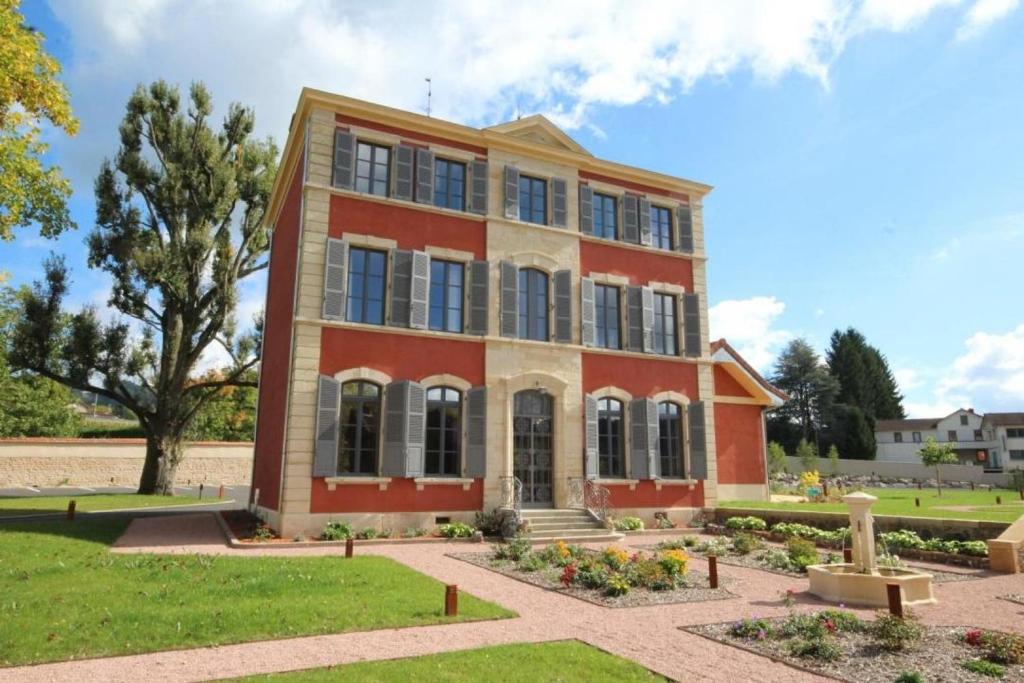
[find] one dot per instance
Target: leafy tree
(229, 416)
(808, 456)
(179, 222)
(30, 94)
(935, 455)
(776, 458)
(851, 432)
(799, 372)
(833, 460)
(865, 379)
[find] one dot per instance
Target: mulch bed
(937, 656)
(696, 589)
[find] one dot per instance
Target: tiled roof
(1000, 419)
(914, 424)
(768, 386)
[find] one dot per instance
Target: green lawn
(562, 661)
(900, 502)
(64, 596)
(34, 505)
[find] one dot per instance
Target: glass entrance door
(531, 435)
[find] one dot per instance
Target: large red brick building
(461, 319)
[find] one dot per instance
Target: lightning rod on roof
(428, 95)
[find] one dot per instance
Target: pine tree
(865, 379)
(799, 372)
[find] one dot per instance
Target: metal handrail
(512, 496)
(588, 495)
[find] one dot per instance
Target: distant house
(994, 441)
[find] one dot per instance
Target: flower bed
(1014, 597)
(249, 530)
(612, 577)
(837, 643)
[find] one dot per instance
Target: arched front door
(532, 425)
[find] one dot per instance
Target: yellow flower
(562, 549)
(810, 478)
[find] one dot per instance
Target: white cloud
(897, 15)
(907, 378)
(934, 409)
(983, 14)
(749, 326)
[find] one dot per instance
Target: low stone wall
(926, 527)
(903, 470)
(118, 462)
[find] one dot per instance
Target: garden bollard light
(918, 486)
(895, 596)
(1021, 492)
(917, 502)
(349, 547)
(220, 493)
(713, 571)
(999, 500)
(71, 510)
(200, 492)
(451, 600)
(848, 555)
(972, 485)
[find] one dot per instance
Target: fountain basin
(846, 584)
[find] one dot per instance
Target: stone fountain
(862, 582)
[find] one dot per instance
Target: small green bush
(488, 522)
(746, 523)
(909, 677)
(531, 562)
(801, 553)
(414, 532)
(593, 576)
(456, 530)
(616, 585)
(1003, 648)
(805, 626)
(367, 533)
(844, 622)
(336, 531)
(744, 543)
(983, 667)
(821, 649)
(752, 629)
(776, 559)
(901, 539)
(514, 549)
(629, 524)
(894, 633)
(716, 546)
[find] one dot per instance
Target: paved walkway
(648, 635)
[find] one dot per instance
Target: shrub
(336, 531)
(689, 541)
(746, 523)
(675, 543)
(901, 539)
(975, 548)
(894, 633)
(674, 562)
(414, 532)
(514, 550)
(983, 667)
(488, 522)
(776, 559)
(909, 677)
(752, 629)
(661, 521)
(615, 558)
(456, 530)
(560, 553)
(890, 561)
(744, 543)
(973, 637)
(629, 524)
(844, 622)
(593, 576)
(367, 533)
(1003, 648)
(801, 553)
(616, 585)
(805, 626)
(821, 649)
(531, 562)
(568, 575)
(716, 546)
(262, 533)
(384, 533)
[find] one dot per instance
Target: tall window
(898, 436)
(360, 428)
(533, 304)
(916, 437)
(449, 184)
(366, 286)
(951, 435)
(1014, 433)
(533, 199)
(611, 460)
(963, 420)
(605, 217)
(446, 279)
(606, 325)
(372, 168)
(665, 325)
(977, 435)
(444, 432)
(670, 440)
(661, 227)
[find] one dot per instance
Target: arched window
(610, 430)
(444, 432)
(670, 438)
(533, 304)
(360, 428)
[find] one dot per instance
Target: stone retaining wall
(106, 462)
(903, 470)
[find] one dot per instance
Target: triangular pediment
(540, 130)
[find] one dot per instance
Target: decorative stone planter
(844, 583)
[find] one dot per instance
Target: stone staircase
(576, 526)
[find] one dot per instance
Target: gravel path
(650, 636)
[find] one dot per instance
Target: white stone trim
(667, 288)
(449, 254)
(446, 380)
(612, 392)
(368, 241)
(609, 279)
(381, 482)
(618, 482)
(673, 396)
(534, 259)
(365, 374)
(689, 483)
(443, 481)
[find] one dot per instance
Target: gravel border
(936, 658)
(696, 591)
(1014, 597)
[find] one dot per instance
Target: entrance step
(549, 525)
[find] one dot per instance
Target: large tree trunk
(163, 453)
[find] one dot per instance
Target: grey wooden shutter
(586, 210)
(588, 312)
(335, 264)
(644, 418)
(476, 433)
(419, 291)
(634, 319)
(647, 302)
(343, 175)
(691, 324)
(563, 306)
(509, 300)
(591, 457)
(405, 411)
(401, 287)
(684, 226)
(424, 176)
(479, 293)
(511, 192)
(698, 441)
(559, 203)
(328, 405)
(478, 187)
(645, 221)
(630, 221)
(403, 172)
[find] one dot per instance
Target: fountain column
(862, 528)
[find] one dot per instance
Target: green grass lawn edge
(25, 506)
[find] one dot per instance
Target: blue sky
(866, 155)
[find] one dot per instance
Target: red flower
(973, 637)
(830, 626)
(568, 574)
